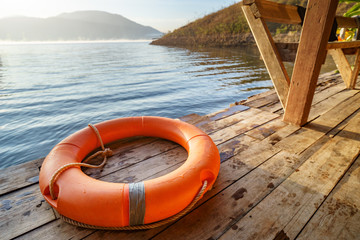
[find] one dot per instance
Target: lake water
(50, 90)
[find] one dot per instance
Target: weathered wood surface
(275, 12)
(288, 14)
(350, 44)
(269, 53)
(310, 56)
(342, 64)
(296, 95)
(20, 176)
(339, 216)
(275, 180)
(355, 71)
(288, 208)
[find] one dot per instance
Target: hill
(81, 25)
(228, 28)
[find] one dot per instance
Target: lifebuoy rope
(107, 152)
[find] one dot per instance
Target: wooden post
(311, 53)
(269, 53)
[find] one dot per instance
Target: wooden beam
(279, 13)
(355, 71)
(346, 22)
(269, 53)
(282, 13)
(348, 74)
(342, 64)
(318, 22)
(351, 44)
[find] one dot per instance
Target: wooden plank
(355, 71)
(264, 101)
(320, 126)
(339, 216)
(346, 22)
(22, 211)
(287, 209)
(269, 54)
(209, 126)
(196, 119)
(242, 127)
(320, 104)
(275, 12)
(319, 18)
(56, 229)
(274, 108)
(259, 95)
(326, 104)
(267, 129)
(220, 212)
(327, 80)
(142, 170)
(323, 92)
(133, 235)
(281, 13)
(127, 157)
(349, 51)
(339, 113)
(344, 44)
(342, 64)
(191, 118)
(227, 112)
(19, 176)
(349, 136)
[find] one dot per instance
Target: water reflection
(49, 91)
(241, 66)
(1, 74)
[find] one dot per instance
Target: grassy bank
(228, 28)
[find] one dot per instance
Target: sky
(163, 15)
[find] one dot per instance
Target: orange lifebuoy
(94, 202)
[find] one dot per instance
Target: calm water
(48, 91)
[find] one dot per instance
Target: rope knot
(107, 152)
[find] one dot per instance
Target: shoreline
(323, 78)
(72, 41)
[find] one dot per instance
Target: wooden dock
(276, 181)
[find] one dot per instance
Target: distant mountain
(81, 25)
